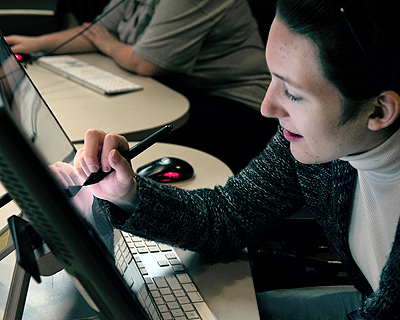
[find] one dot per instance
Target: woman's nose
(270, 106)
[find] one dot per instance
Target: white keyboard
(159, 280)
(88, 75)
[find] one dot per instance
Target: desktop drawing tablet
(31, 139)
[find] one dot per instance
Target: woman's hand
(103, 150)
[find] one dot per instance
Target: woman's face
(307, 105)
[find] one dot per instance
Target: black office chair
(295, 254)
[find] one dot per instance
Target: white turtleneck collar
(376, 206)
(383, 160)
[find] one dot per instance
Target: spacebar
(204, 312)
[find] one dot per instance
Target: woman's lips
(290, 136)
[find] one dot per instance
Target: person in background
(211, 51)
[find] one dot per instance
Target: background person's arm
(48, 42)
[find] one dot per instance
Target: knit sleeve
(220, 220)
(385, 302)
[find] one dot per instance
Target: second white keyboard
(88, 75)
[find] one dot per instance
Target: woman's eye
(291, 97)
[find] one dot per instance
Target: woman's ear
(387, 110)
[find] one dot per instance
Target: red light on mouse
(19, 57)
(168, 176)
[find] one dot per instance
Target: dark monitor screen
(31, 140)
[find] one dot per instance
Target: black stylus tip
(96, 177)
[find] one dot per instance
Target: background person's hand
(101, 38)
(23, 44)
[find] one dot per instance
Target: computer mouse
(167, 169)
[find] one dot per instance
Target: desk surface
(135, 114)
(227, 287)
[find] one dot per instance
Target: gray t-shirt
(210, 45)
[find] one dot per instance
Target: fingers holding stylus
(113, 143)
(102, 150)
(97, 152)
(97, 147)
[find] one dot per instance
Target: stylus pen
(96, 177)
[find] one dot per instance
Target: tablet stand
(30, 248)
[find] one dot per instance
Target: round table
(134, 115)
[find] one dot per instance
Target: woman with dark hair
(335, 91)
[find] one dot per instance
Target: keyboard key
(173, 282)
(183, 278)
(183, 300)
(179, 268)
(166, 315)
(164, 247)
(177, 313)
(169, 298)
(159, 301)
(144, 271)
(192, 315)
(160, 282)
(163, 308)
(187, 307)
(173, 305)
(179, 293)
(152, 287)
(139, 244)
(189, 287)
(153, 249)
(130, 282)
(174, 262)
(148, 280)
(165, 291)
(195, 297)
(170, 255)
(155, 294)
(142, 250)
(163, 263)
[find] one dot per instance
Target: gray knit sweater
(273, 186)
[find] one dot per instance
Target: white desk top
(208, 170)
(134, 114)
(227, 287)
